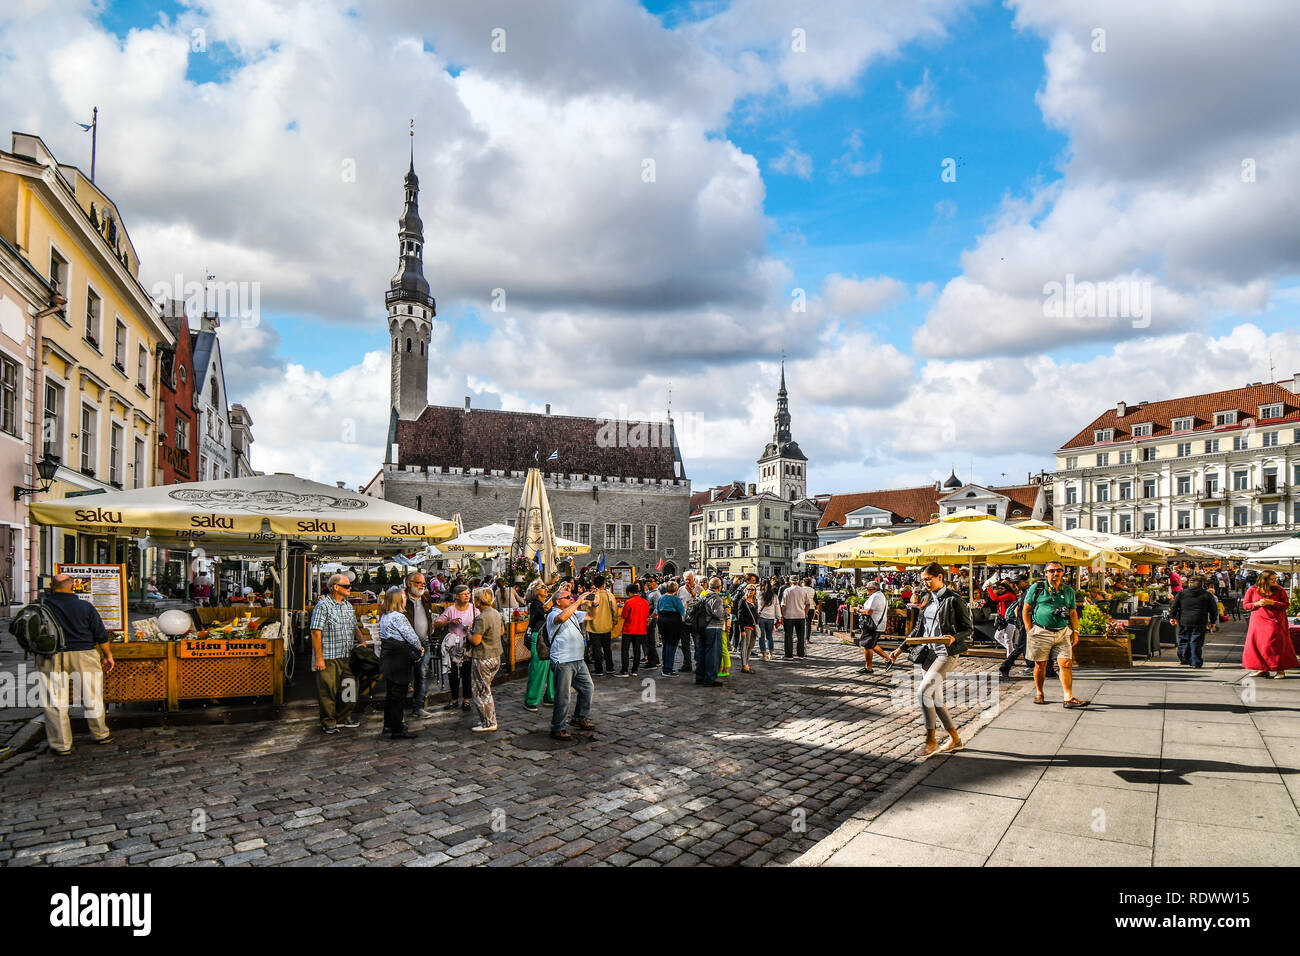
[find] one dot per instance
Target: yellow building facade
(96, 377)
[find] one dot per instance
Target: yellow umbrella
(968, 537)
(1097, 554)
(841, 554)
(1136, 550)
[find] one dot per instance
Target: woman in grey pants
(945, 618)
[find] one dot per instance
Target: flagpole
(94, 133)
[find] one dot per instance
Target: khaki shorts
(1042, 643)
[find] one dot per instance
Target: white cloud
(793, 162)
(859, 297)
(923, 109)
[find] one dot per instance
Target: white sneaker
(480, 729)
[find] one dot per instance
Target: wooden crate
(1101, 651)
(142, 671)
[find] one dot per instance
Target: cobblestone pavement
(754, 772)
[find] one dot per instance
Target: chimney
(548, 408)
(466, 403)
(1120, 409)
(340, 484)
(1292, 384)
(209, 322)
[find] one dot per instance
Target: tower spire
(411, 307)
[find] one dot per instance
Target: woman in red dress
(1268, 640)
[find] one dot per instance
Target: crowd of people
(676, 626)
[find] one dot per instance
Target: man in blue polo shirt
(567, 652)
(86, 639)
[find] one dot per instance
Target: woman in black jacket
(946, 620)
(746, 613)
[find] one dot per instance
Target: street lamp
(45, 469)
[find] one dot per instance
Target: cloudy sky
(672, 196)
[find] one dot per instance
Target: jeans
(1190, 642)
(418, 679)
(602, 652)
(766, 638)
(670, 656)
(569, 675)
(648, 645)
(796, 627)
(709, 656)
(929, 693)
(631, 646)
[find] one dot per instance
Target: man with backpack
(77, 662)
(706, 616)
(1052, 625)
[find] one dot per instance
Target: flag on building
(600, 565)
(660, 565)
(554, 456)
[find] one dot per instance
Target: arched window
(408, 345)
(394, 346)
(215, 397)
(421, 348)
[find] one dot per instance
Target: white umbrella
(500, 537)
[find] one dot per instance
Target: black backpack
(38, 631)
(697, 615)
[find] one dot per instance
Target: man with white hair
(687, 593)
(334, 632)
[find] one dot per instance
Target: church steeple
(411, 307)
(783, 466)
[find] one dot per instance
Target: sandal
(1074, 702)
(1039, 699)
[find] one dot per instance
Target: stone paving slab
(1170, 766)
(751, 773)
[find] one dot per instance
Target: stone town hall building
(619, 486)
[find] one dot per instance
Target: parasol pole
(283, 562)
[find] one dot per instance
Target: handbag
(870, 634)
(923, 655)
(541, 645)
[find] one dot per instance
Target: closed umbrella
(534, 535)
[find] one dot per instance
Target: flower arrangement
(1116, 627)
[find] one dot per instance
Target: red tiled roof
(1200, 408)
(1026, 496)
(919, 504)
(717, 493)
(507, 441)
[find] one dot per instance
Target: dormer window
(1142, 431)
(1182, 424)
(1225, 418)
(1270, 411)
(1103, 435)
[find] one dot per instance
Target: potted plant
(1093, 622)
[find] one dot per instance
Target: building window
(1270, 480)
(1270, 411)
(1184, 520)
(1071, 463)
(119, 346)
(1240, 442)
(767, 550)
(142, 369)
(1103, 434)
(1184, 449)
(137, 464)
(1071, 524)
(182, 434)
(1270, 439)
(1149, 488)
(567, 530)
(767, 512)
(1240, 516)
(744, 514)
(625, 537)
(652, 537)
(1125, 490)
(87, 438)
(731, 533)
(1103, 459)
(216, 399)
(1103, 524)
(1148, 454)
(1071, 497)
(1211, 446)
(93, 308)
(1241, 481)
(1142, 431)
(1225, 418)
(731, 514)
(115, 454)
(1149, 522)
(744, 550)
(1185, 484)
(9, 400)
(1125, 524)
(611, 537)
(59, 275)
(52, 421)
(744, 531)
(1211, 483)
(1126, 457)
(1269, 514)
(993, 510)
(1211, 517)
(1103, 493)
(1182, 424)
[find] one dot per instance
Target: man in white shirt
(874, 610)
(794, 612)
(687, 592)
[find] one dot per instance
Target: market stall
(261, 516)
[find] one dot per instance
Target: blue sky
(819, 171)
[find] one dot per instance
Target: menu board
(104, 586)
